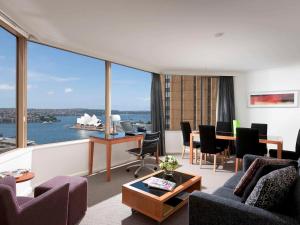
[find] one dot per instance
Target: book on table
(159, 183)
(15, 173)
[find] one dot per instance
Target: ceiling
(168, 36)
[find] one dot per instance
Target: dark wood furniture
(109, 140)
(155, 203)
(268, 140)
(25, 177)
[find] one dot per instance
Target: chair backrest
(262, 129)
(224, 128)
(150, 143)
(8, 205)
(127, 126)
(186, 131)
(247, 142)
(207, 139)
(298, 144)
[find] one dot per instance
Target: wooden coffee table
(159, 204)
(25, 177)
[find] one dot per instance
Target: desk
(269, 140)
(109, 140)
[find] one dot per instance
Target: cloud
(49, 77)
(50, 92)
(68, 90)
(7, 87)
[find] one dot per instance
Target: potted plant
(169, 164)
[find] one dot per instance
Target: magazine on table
(16, 173)
(159, 183)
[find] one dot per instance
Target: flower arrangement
(169, 164)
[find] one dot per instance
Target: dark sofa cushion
(273, 188)
(264, 170)
(234, 180)
(227, 193)
(254, 167)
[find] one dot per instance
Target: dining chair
(186, 131)
(224, 129)
(294, 155)
(263, 134)
(247, 142)
(209, 143)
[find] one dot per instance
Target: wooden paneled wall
(193, 99)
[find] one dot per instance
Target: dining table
(275, 140)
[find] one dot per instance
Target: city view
(63, 86)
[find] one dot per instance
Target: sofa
(223, 207)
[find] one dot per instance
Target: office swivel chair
(149, 148)
(127, 126)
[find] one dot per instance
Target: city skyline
(58, 80)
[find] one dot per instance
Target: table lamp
(114, 120)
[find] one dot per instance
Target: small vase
(168, 173)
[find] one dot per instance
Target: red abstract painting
(273, 99)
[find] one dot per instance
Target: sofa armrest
(50, 208)
(214, 210)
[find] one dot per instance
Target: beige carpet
(104, 198)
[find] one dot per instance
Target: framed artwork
(273, 99)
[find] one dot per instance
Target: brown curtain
(190, 98)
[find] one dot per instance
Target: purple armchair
(50, 208)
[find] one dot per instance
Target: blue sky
(60, 79)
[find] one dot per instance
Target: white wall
(66, 158)
(284, 122)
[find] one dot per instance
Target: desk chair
(209, 143)
(149, 148)
(294, 155)
(127, 126)
(186, 131)
(247, 142)
(263, 134)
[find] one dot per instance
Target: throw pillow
(262, 171)
(272, 188)
(253, 168)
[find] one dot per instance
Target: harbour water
(43, 133)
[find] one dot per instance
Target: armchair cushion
(9, 181)
(273, 188)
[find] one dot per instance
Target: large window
(7, 91)
(131, 95)
(62, 87)
(190, 98)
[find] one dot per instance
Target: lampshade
(115, 118)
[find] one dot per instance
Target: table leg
(108, 161)
(191, 148)
(91, 156)
(279, 150)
